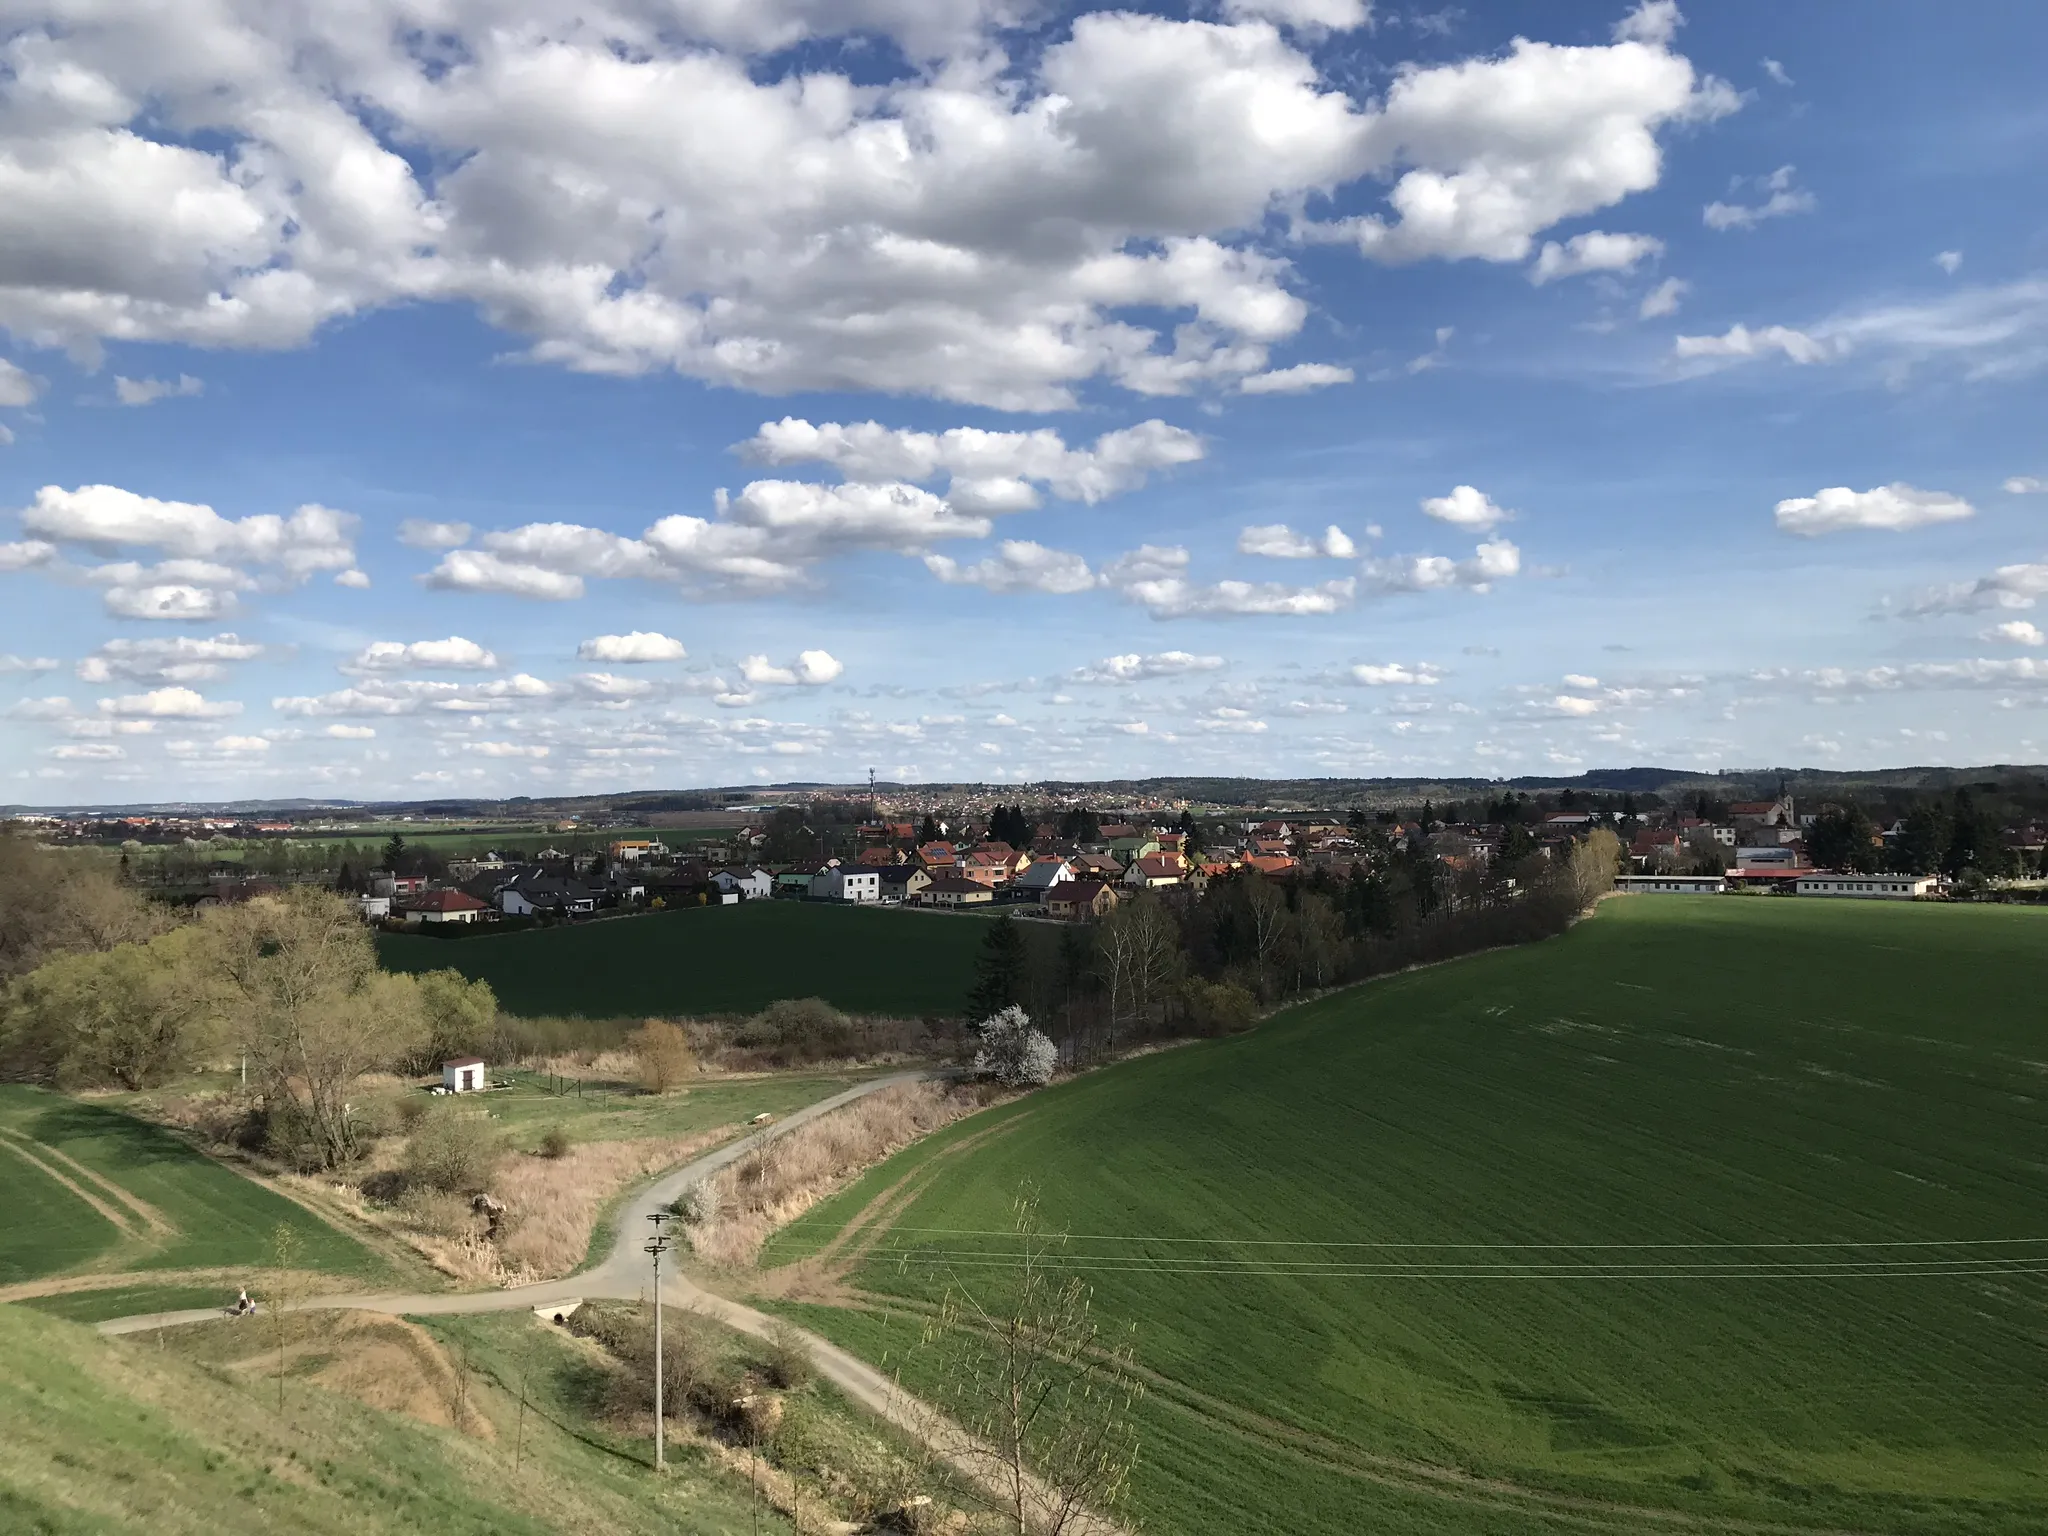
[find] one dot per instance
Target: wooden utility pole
(656, 1249)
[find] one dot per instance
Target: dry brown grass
(778, 1183)
(555, 1201)
(552, 1206)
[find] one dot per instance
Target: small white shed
(465, 1074)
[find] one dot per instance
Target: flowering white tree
(1012, 1052)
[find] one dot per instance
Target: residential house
(991, 869)
(1655, 849)
(878, 857)
(448, 906)
(937, 856)
(541, 895)
(632, 850)
(900, 882)
(1154, 871)
(793, 882)
(1097, 866)
(1080, 901)
(753, 884)
(1039, 879)
(1013, 860)
(1128, 850)
(955, 891)
(1271, 865)
(846, 882)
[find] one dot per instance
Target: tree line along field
(717, 959)
(84, 1188)
(1713, 1214)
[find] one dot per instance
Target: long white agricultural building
(1824, 882)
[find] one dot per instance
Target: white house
(847, 883)
(1824, 882)
(748, 884)
(465, 1074)
(1042, 876)
(374, 907)
(1673, 885)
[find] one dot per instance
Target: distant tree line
(1162, 964)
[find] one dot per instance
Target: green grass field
(1710, 1215)
(67, 1166)
(163, 1437)
(717, 960)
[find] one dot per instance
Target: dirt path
(625, 1275)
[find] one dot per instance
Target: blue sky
(458, 397)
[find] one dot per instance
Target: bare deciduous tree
(1595, 861)
(1138, 950)
(1045, 1396)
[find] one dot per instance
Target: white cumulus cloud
(1494, 560)
(2026, 485)
(1466, 507)
(453, 654)
(1896, 508)
(810, 670)
(1740, 343)
(1018, 565)
(149, 391)
(1782, 198)
(1135, 667)
(18, 387)
(186, 659)
(1299, 379)
(172, 703)
(1277, 541)
(1395, 674)
(987, 471)
(1594, 251)
(1663, 299)
(424, 533)
(639, 646)
(687, 187)
(2017, 632)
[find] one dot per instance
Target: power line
(1290, 1242)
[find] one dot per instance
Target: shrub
(788, 1358)
(1219, 1007)
(800, 1029)
(453, 1151)
(554, 1142)
(1013, 1053)
(665, 1056)
(692, 1371)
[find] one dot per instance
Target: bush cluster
(798, 1029)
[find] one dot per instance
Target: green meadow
(1713, 1214)
(717, 959)
(89, 1189)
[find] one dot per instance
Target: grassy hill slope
(124, 1436)
(1730, 1210)
(87, 1187)
(717, 960)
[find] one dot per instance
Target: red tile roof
(447, 901)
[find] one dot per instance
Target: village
(1077, 867)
